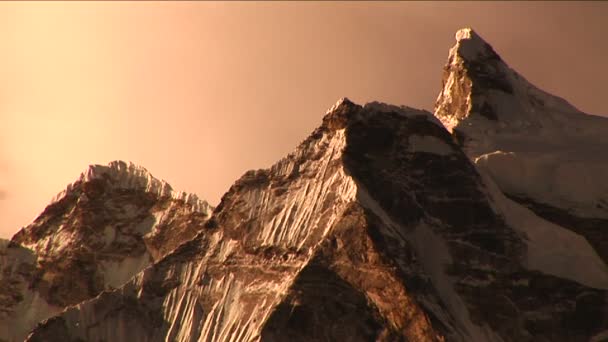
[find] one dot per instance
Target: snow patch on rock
(428, 144)
(433, 253)
(469, 44)
(338, 103)
(434, 256)
(292, 224)
(569, 183)
(29, 312)
(115, 274)
(406, 111)
(125, 175)
(32, 308)
(55, 244)
(109, 235)
(532, 143)
(552, 249)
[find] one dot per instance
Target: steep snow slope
(95, 235)
(378, 227)
(539, 149)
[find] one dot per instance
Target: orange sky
(200, 92)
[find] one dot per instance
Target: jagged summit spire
(466, 33)
(468, 37)
(343, 101)
(481, 89)
(473, 70)
(108, 225)
(127, 175)
(471, 46)
(500, 118)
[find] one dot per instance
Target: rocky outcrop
(540, 150)
(381, 226)
(103, 229)
(378, 227)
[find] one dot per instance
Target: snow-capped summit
(470, 46)
(342, 101)
(126, 175)
(105, 227)
(478, 84)
(533, 143)
(466, 33)
(376, 228)
(540, 150)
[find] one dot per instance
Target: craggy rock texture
(381, 226)
(377, 228)
(330, 299)
(105, 228)
(541, 151)
(473, 70)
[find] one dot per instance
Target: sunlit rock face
(540, 150)
(382, 225)
(377, 227)
(103, 229)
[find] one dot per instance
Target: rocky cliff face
(540, 150)
(104, 228)
(381, 226)
(378, 227)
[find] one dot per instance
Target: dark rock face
(305, 262)
(553, 150)
(487, 254)
(377, 228)
(350, 290)
(474, 70)
(82, 280)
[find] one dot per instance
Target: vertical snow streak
(224, 287)
(237, 304)
(232, 317)
(433, 253)
(131, 176)
(294, 223)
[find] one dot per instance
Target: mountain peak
(470, 46)
(480, 92)
(501, 119)
(127, 175)
(376, 228)
(105, 227)
(342, 102)
(466, 33)
(473, 74)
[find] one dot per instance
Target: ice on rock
(469, 44)
(131, 176)
(532, 143)
(340, 102)
(112, 235)
(384, 199)
(429, 144)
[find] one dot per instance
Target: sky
(200, 92)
